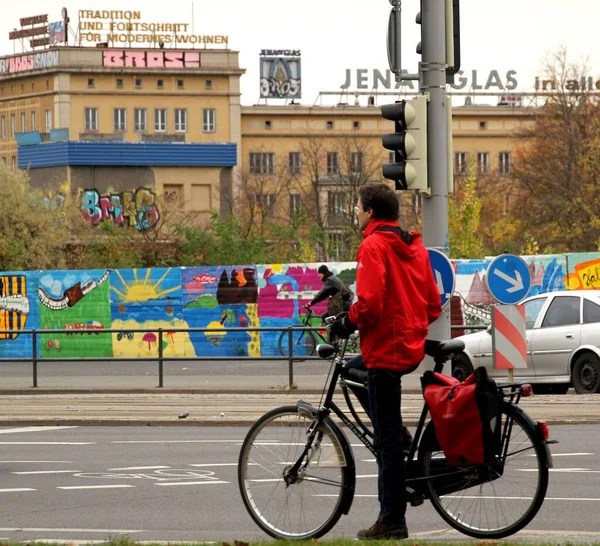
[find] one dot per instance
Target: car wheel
(461, 367)
(586, 374)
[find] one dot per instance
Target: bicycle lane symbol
(164, 475)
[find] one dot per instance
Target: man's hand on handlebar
(306, 306)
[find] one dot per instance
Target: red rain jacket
(397, 298)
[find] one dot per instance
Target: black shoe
(382, 530)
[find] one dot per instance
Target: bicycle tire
(279, 510)
(526, 485)
(300, 338)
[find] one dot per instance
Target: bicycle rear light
(526, 390)
(544, 430)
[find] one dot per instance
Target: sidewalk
(228, 409)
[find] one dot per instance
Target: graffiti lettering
(591, 279)
(270, 87)
(133, 209)
(151, 59)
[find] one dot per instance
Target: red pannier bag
(466, 416)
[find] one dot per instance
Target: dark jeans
(385, 397)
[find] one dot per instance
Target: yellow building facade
(112, 120)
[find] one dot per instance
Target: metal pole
(433, 73)
(290, 358)
(160, 358)
(34, 358)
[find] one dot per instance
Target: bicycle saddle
(442, 349)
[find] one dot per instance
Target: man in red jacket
(397, 301)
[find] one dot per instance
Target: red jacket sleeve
(370, 286)
(434, 300)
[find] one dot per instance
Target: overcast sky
(335, 35)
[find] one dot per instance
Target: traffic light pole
(433, 81)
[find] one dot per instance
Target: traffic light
(409, 143)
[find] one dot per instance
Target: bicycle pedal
(415, 498)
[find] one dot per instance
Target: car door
(558, 335)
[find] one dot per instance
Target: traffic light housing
(408, 142)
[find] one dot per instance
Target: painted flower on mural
(149, 338)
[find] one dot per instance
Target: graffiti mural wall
(85, 302)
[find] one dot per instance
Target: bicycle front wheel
(498, 499)
(308, 504)
(303, 343)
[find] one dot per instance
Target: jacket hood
(396, 242)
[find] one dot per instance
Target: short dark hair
(382, 200)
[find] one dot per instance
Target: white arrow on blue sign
(508, 278)
(443, 273)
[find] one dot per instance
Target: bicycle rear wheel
(494, 500)
(312, 504)
(303, 343)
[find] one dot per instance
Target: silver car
(563, 344)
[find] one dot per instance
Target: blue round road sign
(443, 273)
(508, 278)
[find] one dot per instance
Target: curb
(158, 390)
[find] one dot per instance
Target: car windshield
(532, 310)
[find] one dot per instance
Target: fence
(160, 358)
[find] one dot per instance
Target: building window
(138, 83)
(140, 119)
(296, 204)
(13, 125)
(91, 119)
(483, 125)
(264, 202)
(91, 82)
(180, 120)
(160, 84)
(330, 125)
(209, 120)
(294, 165)
(3, 127)
(460, 163)
(332, 163)
(208, 84)
(4, 160)
(23, 122)
(483, 162)
(391, 157)
(13, 163)
(180, 84)
(48, 114)
(33, 86)
(504, 163)
(33, 121)
(336, 246)
(356, 165)
(120, 83)
(356, 124)
(160, 120)
(268, 124)
(337, 203)
(47, 84)
(262, 163)
(120, 119)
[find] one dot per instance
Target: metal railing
(160, 357)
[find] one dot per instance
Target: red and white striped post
(509, 344)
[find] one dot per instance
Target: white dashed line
(117, 486)
(207, 482)
(46, 472)
(137, 468)
(32, 429)
(16, 489)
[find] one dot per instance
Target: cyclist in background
(340, 297)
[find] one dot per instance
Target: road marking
(95, 486)
(207, 482)
(570, 454)
(563, 470)
(33, 429)
(46, 472)
(136, 468)
(61, 530)
(221, 464)
(16, 489)
(47, 443)
(68, 462)
(177, 442)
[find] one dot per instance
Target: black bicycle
(297, 472)
(304, 341)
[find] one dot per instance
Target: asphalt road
(179, 483)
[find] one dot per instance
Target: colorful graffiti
(224, 301)
(136, 209)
